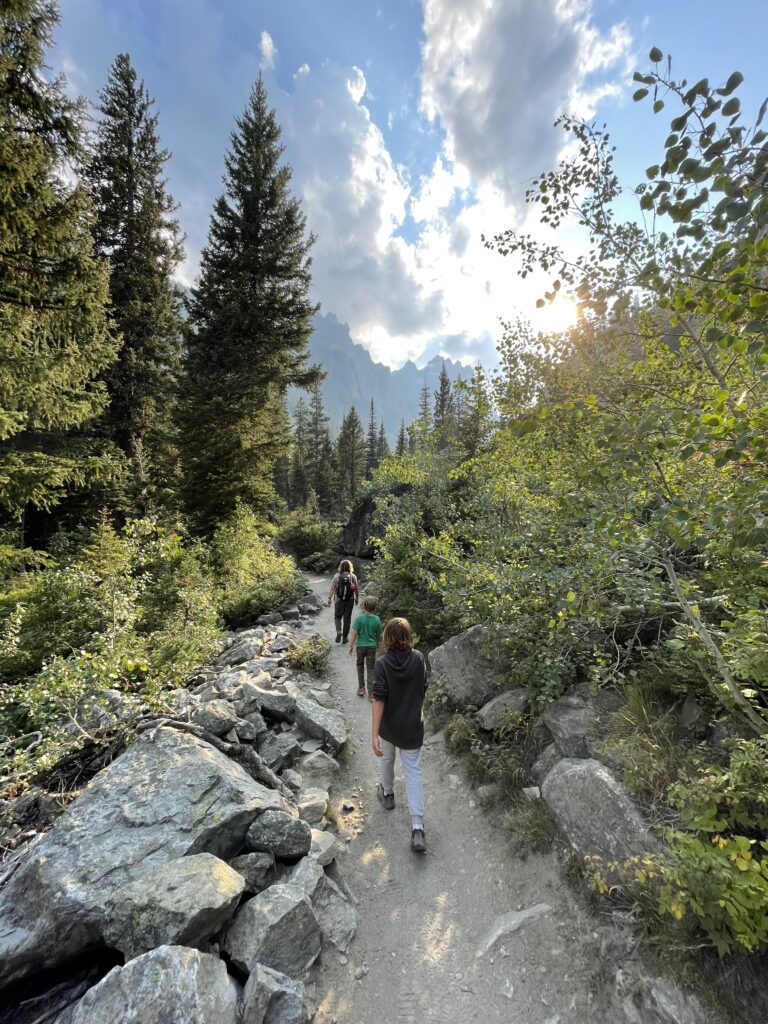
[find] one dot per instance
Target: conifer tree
(371, 444)
(382, 449)
(402, 440)
(299, 482)
(351, 456)
(54, 332)
(250, 321)
(476, 412)
(318, 446)
(443, 415)
(425, 408)
(137, 233)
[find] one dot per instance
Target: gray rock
(181, 903)
(488, 793)
(239, 652)
(279, 750)
(277, 928)
(492, 715)
(322, 723)
(318, 763)
(280, 834)
(281, 644)
(640, 998)
(247, 731)
(274, 705)
(215, 716)
(310, 746)
(169, 985)
(507, 924)
(594, 812)
(257, 869)
(227, 682)
(256, 720)
(270, 619)
(337, 919)
(325, 700)
(545, 762)
(293, 780)
(567, 720)
(270, 997)
(263, 664)
(313, 804)
(465, 675)
(312, 600)
(168, 796)
(291, 614)
(308, 609)
(325, 847)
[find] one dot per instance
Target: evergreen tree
(402, 440)
(371, 444)
(425, 409)
(443, 415)
(351, 455)
(300, 483)
(318, 447)
(475, 418)
(382, 449)
(250, 320)
(137, 233)
(54, 332)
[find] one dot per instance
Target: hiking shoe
(361, 692)
(387, 800)
(418, 842)
(338, 638)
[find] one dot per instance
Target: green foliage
(529, 825)
(499, 759)
(311, 655)
(253, 577)
(304, 533)
(351, 458)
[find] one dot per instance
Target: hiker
(399, 685)
(366, 630)
(344, 586)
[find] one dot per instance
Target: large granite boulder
(181, 903)
(242, 650)
(638, 997)
(279, 749)
(545, 762)
(325, 847)
(336, 917)
(491, 716)
(568, 722)
(322, 723)
(168, 796)
(277, 928)
(280, 834)
(215, 716)
(170, 985)
(257, 869)
(466, 675)
(594, 812)
(270, 997)
(273, 705)
(313, 803)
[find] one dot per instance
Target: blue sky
(413, 127)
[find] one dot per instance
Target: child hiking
(344, 587)
(399, 685)
(366, 630)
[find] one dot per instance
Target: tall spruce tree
(443, 420)
(371, 444)
(382, 447)
(55, 338)
(136, 231)
(351, 457)
(250, 321)
(402, 440)
(476, 412)
(300, 475)
(318, 445)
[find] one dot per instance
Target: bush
(498, 758)
(304, 532)
(311, 655)
(530, 825)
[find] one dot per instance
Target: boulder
(325, 847)
(279, 750)
(258, 665)
(169, 795)
(359, 533)
(247, 731)
(276, 706)
(257, 869)
(318, 763)
(322, 723)
(215, 716)
(491, 715)
(240, 651)
(269, 619)
(465, 674)
(308, 609)
(641, 998)
(181, 903)
(291, 614)
(568, 722)
(313, 804)
(594, 812)
(270, 997)
(281, 644)
(545, 762)
(278, 929)
(293, 780)
(169, 985)
(337, 919)
(255, 719)
(312, 600)
(280, 834)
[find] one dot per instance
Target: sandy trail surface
(423, 920)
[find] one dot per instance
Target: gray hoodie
(400, 680)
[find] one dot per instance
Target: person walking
(345, 589)
(366, 630)
(399, 686)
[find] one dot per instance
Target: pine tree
(136, 232)
(382, 448)
(402, 440)
(318, 446)
(371, 444)
(476, 412)
(425, 409)
(299, 481)
(250, 320)
(443, 415)
(54, 332)
(351, 455)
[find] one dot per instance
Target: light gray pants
(414, 789)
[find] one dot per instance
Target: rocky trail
(425, 948)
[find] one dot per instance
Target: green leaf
(570, 596)
(655, 56)
(639, 94)
(657, 106)
(733, 106)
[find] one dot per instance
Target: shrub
(304, 532)
(530, 825)
(311, 655)
(497, 759)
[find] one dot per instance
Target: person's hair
(346, 566)
(369, 604)
(398, 635)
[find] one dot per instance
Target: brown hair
(346, 566)
(369, 604)
(398, 635)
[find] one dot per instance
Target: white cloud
(268, 50)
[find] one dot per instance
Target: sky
(413, 128)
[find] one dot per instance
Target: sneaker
(338, 638)
(343, 639)
(418, 842)
(387, 800)
(361, 693)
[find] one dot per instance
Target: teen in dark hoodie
(399, 685)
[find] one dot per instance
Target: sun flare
(556, 316)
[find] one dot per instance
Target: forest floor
(423, 920)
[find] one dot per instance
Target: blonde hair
(398, 635)
(346, 566)
(369, 604)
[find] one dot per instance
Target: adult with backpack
(345, 589)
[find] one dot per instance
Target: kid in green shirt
(366, 629)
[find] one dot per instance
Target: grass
(311, 655)
(530, 825)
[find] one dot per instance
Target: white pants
(414, 789)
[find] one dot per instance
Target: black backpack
(344, 587)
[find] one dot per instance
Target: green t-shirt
(367, 627)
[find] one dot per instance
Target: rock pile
(198, 856)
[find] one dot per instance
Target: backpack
(345, 588)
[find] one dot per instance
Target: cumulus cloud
(268, 50)
(496, 74)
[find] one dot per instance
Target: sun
(556, 316)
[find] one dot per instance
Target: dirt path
(424, 919)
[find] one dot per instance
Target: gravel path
(424, 919)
